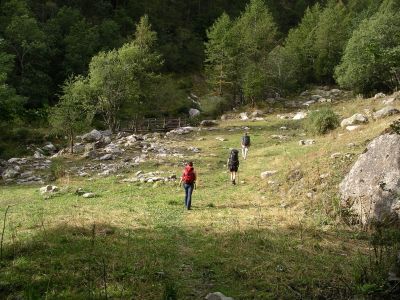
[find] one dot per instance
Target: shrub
(57, 168)
(212, 106)
(322, 121)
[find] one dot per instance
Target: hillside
(280, 237)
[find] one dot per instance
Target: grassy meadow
(280, 238)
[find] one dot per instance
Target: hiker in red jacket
(189, 182)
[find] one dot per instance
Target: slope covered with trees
(246, 51)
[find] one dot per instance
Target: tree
(123, 78)
(371, 60)
(330, 39)
(74, 112)
(220, 50)
(257, 33)
(10, 103)
(299, 47)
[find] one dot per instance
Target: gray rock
(89, 154)
(112, 148)
(336, 155)
(266, 174)
(300, 115)
(370, 190)
(79, 148)
(49, 147)
(220, 139)
(108, 156)
(208, 123)
(92, 136)
(244, 116)
(48, 189)
(379, 95)
(89, 195)
(352, 128)
(10, 173)
(38, 154)
(217, 296)
(193, 112)
(315, 97)
(257, 114)
(354, 119)
(306, 142)
(389, 101)
(386, 112)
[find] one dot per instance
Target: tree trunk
(71, 141)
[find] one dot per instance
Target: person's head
(189, 163)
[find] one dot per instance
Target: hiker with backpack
(245, 145)
(233, 164)
(189, 183)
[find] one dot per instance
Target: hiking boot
(233, 182)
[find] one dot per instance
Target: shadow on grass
(102, 261)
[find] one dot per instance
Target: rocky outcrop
(371, 189)
(354, 120)
(386, 112)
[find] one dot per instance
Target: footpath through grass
(257, 240)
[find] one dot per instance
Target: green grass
(137, 241)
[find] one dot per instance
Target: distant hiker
(189, 182)
(233, 164)
(245, 145)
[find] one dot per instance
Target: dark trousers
(188, 194)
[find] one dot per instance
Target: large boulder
(354, 119)
(371, 189)
(10, 173)
(386, 112)
(92, 136)
(193, 112)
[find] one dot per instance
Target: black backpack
(246, 140)
(233, 158)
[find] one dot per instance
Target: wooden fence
(154, 125)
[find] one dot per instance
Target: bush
(213, 106)
(57, 168)
(322, 121)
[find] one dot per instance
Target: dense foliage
(247, 50)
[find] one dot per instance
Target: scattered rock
(220, 139)
(300, 115)
(266, 174)
(92, 136)
(112, 148)
(257, 114)
(79, 148)
(48, 189)
(336, 155)
(244, 116)
(352, 128)
(108, 156)
(217, 296)
(379, 96)
(10, 173)
(386, 112)
(88, 195)
(370, 190)
(306, 142)
(389, 101)
(180, 131)
(295, 175)
(38, 154)
(208, 123)
(354, 119)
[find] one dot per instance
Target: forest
(117, 60)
